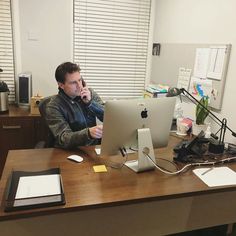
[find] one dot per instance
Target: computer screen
(137, 124)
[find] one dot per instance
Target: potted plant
(201, 115)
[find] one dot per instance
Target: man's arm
(96, 105)
(64, 136)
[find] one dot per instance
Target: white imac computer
(141, 124)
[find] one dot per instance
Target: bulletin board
(207, 63)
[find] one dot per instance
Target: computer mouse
(75, 158)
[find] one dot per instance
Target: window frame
(7, 62)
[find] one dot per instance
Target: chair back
(49, 142)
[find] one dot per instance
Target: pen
(208, 170)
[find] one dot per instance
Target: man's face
(73, 84)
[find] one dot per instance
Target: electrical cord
(171, 162)
(124, 153)
(184, 168)
(117, 165)
(165, 171)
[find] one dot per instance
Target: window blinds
(6, 47)
(111, 45)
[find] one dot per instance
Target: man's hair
(63, 69)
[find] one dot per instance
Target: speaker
(24, 89)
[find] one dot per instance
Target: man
(71, 114)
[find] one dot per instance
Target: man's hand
(96, 131)
(85, 95)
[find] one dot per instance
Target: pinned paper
(217, 58)
(184, 78)
(200, 87)
(201, 62)
(100, 168)
(214, 93)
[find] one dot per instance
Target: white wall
(43, 32)
(202, 21)
(43, 40)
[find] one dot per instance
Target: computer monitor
(142, 123)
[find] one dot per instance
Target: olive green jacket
(69, 119)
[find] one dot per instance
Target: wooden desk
(118, 202)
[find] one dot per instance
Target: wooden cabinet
(19, 130)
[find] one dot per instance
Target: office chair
(49, 141)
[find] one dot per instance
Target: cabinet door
(15, 133)
(40, 129)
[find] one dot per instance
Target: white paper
(36, 186)
(201, 62)
(217, 176)
(184, 78)
(217, 57)
(200, 87)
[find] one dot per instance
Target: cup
(182, 127)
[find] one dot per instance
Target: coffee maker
(4, 92)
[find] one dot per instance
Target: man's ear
(60, 85)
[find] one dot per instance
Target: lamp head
(172, 92)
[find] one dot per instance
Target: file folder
(27, 190)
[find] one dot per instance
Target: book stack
(155, 91)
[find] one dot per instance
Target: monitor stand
(144, 144)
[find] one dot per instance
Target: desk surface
(85, 189)
(16, 111)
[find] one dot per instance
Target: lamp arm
(183, 91)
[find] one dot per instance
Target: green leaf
(201, 112)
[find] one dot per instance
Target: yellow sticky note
(100, 168)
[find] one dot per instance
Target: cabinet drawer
(15, 124)
(16, 133)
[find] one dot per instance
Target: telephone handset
(83, 82)
(84, 85)
(187, 149)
